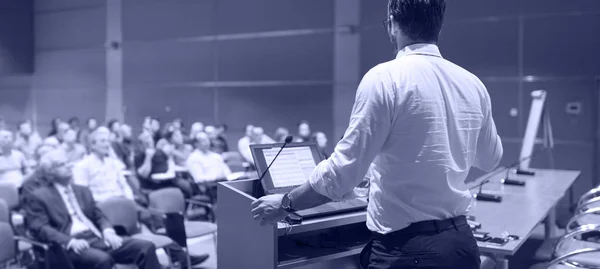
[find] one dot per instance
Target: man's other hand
(268, 209)
(78, 246)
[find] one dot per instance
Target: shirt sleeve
(489, 145)
(370, 125)
(195, 169)
(80, 176)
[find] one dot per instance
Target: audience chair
(10, 194)
(235, 161)
(171, 201)
(123, 215)
(570, 252)
(15, 245)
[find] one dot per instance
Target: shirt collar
(420, 49)
(61, 188)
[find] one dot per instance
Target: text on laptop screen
(293, 166)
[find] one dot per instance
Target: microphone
(507, 181)
(288, 139)
(480, 196)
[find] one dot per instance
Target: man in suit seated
(66, 214)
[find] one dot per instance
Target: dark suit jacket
(48, 218)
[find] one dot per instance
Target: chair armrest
(566, 257)
(161, 214)
(32, 242)
(574, 219)
(589, 195)
(581, 207)
(200, 203)
(583, 229)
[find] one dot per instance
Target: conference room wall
(233, 62)
(69, 76)
(516, 47)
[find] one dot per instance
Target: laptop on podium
(291, 169)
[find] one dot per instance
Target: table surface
(522, 207)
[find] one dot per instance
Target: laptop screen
(292, 167)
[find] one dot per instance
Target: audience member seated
(14, 168)
(74, 124)
(37, 179)
(181, 151)
(217, 143)
(178, 125)
(66, 214)
(321, 140)
(90, 126)
(280, 134)
(205, 165)
(156, 169)
(155, 128)
(194, 129)
(59, 134)
(75, 151)
(303, 132)
(114, 126)
(254, 135)
(147, 131)
(123, 147)
(27, 141)
(102, 174)
(54, 126)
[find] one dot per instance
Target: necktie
(79, 214)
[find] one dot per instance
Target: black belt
(428, 227)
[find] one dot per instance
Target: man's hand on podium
(268, 209)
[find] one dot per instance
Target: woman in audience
(217, 144)
(303, 132)
(280, 134)
(155, 166)
(54, 126)
(123, 147)
(90, 126)
(59, 133)
(27, 141)
(114, 126)
(321, 140)
(74, 151)
(181, 151)
(155, 128)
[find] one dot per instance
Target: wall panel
(562, 46)
(162, 20)
(70, 68)
(58, 5)
(165, 62)
(284, 58)
(71, 29)
(462, 43)
(236, 16)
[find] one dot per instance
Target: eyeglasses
(386, 23)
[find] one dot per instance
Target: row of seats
(166, 205)
(579, 247)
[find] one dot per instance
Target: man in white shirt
(254, 135)
(422, 122)
(100, 172)
(14, 167)
(205, 165)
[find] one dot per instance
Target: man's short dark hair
(420, 20)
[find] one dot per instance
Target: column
(114, 60)
(346, 63)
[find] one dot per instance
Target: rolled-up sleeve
(370, 125)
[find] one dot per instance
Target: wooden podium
(329, 242)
